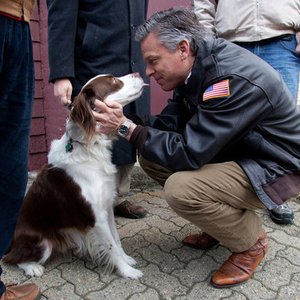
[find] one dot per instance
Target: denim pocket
(289, 43)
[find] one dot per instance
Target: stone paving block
(162, 225)
(50, 279)
(148, 294)
(119, 289)
(165, 261)
(290, 291)
(291, 254)
(276, 273)
(203, 291)
(167, 286)
(82, 278)
(64, 292)
(164, 241)
(198, 270)
(256, 290)
(186, 254)
(132, 228)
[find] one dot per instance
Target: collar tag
(69, 146)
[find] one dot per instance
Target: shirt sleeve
(205, 11)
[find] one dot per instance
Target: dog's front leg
(112, 249)
(112, 224)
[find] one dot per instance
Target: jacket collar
(196, 82)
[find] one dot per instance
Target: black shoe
(282, 214)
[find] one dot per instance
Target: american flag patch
(217, 90)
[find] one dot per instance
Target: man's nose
(149, 71)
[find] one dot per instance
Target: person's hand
(63, 90)
(109, 116)
(298, 42)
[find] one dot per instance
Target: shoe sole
(38, 297)
(281, 221)
(227, 285)
(199, 248)
(132, 216)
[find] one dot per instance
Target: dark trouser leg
(16, 98)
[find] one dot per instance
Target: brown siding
(37, 149)
(159, 98)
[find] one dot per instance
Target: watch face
(123, 130)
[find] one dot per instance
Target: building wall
(159, 98)
(38, 145)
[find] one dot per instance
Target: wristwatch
(123, 129)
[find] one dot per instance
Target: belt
(283, 37)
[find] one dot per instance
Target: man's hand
(298, 42)
(63, 90)
(109, 116)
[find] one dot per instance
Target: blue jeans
(281, 55)
(16, 99)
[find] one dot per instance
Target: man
(228, 143)
(267, 30)
(85, 40)
(16, 99)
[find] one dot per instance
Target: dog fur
(70, 204)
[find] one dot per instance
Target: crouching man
(227, 144)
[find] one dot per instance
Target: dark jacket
(91, 37)
(257, 124)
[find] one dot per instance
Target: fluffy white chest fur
(90, 167)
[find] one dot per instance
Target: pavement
(171, 270)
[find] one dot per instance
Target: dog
(70, 204)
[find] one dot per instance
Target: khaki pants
(218, 198)
(123, 181)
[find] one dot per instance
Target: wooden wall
(38, 147)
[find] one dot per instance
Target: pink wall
(159, 98)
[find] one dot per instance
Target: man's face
(169, 69)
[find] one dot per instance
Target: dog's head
(123, 89)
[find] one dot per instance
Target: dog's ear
(82, 113)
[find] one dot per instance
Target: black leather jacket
(257, 125)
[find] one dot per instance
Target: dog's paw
(130, 260)
(32, 269)
(129, 272)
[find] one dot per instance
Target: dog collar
(69, 147)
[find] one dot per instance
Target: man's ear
(184, 48)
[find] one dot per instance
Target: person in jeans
(84, 41)
(220, 147)
(16, 99)
(268, 29)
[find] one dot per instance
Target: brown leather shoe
(128, 210)
(200, 241)
(28, 291)
(240, 266)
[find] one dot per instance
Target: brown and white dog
(70, 204)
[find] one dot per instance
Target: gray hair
(173, 25)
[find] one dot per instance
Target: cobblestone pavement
(171, 270)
